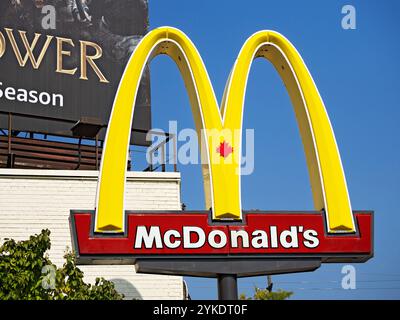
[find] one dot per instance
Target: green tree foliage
(26, 273)
(264, 294)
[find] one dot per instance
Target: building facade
(32, 200)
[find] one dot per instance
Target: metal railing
(161, 147)
(95, 142)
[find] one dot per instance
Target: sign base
(212, 268)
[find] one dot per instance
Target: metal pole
(97, 151)
(151, 160)
(174, 140)
(227, 287)
(79, 153)
(163, 157)
(269, 283)
(10, 156)
(9, 133)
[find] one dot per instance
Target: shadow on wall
(128, 289)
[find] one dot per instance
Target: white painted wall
(31, 200)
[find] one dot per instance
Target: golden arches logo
(221, 178)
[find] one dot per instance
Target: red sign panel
(265, 234)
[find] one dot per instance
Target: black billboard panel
(64, 59)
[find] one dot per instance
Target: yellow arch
(221, 178)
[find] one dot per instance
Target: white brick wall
(31, 200)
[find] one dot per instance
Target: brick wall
(31, 200)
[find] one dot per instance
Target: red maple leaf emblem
(224, 149)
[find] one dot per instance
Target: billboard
(64, 59)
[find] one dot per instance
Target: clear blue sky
(356, 72)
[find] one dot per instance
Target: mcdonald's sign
(331, 233)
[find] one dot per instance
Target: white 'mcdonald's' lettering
(192, 237)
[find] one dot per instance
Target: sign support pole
(227, 287)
